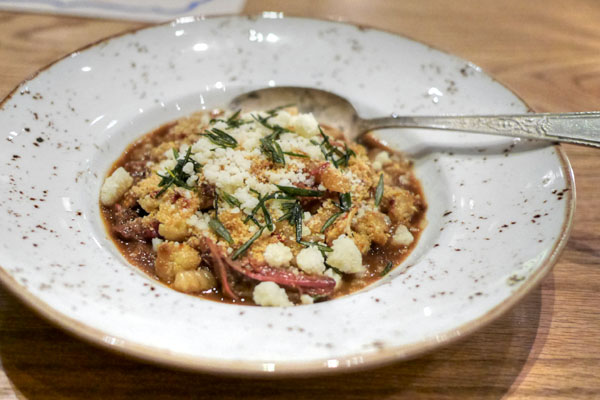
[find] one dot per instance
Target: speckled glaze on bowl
(499, 210)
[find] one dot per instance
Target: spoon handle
(578, 128)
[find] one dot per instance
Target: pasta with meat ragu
(264, 208)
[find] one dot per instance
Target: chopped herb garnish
(177, 176)
(294, 214)
(379, 191)
(297, 215)
(321, 247)
(271, 149)
(230, 199)
(262, 206)
(296, 191)
(253, 219)
(345, 201)
(330, 151)
(221, 138)
(264, 121)
(387, 268)
(220, 229)
(268, 220)
(232, 122)
(330, 221)
(246, 245)
(289, 153)
(337, 271)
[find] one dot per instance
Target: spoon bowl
(327, 107)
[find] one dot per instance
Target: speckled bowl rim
(313, 367)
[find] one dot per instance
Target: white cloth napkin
(139, 10)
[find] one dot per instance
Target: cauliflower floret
(402, 236)
(115, 186)
(270, 294)
(311, 261)
(345, 256)
(278, 255)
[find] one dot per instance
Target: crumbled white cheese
(199, 221)
(228, 169)
(294, 143)
(282, 118)
(188, 168)
(306, 299)
(270, 294)
(115, 186)
(305, 125)
(305, 230)
(311, 261)
(402, 236)
(336, 277)
(278, 255)
(248, 200)
(191, 181)
(345, 256)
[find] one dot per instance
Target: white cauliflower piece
(345, 256)
(115, 186)
(278, 255)
(270, 294)
(311, 261)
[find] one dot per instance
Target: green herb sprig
(344, 205)
(177, 176)
(290, 153)
(330, 151)
(296, 191)
(272, 150)
(220, 229)
(230, 199)
(294, 214)
(221, 138)
(330, 221)
(379, 191)
(247, 245)
(320, 246)
(387, 268)
(234, 121)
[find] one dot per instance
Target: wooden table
(548, 346)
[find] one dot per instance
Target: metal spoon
(579, 128)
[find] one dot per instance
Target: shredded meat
(310, 284)
(129, 226)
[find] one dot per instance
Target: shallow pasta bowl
(499, 211)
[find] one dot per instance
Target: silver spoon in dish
(579, 128)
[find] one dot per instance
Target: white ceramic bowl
(499, 210)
